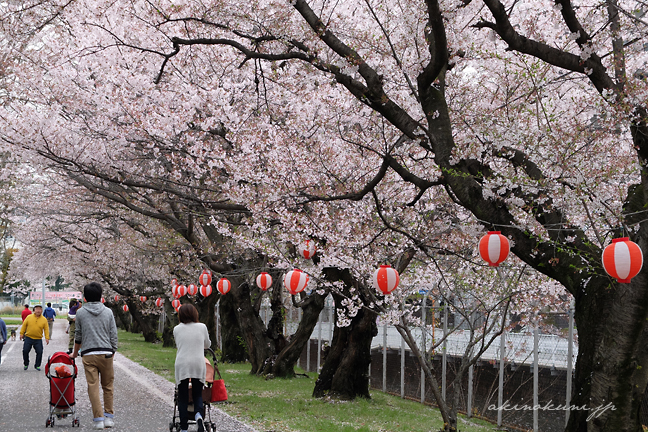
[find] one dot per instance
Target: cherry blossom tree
(327, 117)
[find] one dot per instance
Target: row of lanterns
(622, 260)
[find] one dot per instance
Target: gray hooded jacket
(96, 330)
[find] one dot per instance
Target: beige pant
(96, 366)
(50, 324)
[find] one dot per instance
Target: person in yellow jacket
(32, 333)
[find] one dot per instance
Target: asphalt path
(143, 400)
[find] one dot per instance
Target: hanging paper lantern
(192, 290)
(494, 248)
(386, 279)
(125, 308)
(176, 304)
(159, 302)
(205, 290)
(205, 278)
(142, 299)
(174, 282)
(103, 300)
(224, 286)
(182, 291)
(622, 259)
(308, 250)
(116, 297)
(264, 281)
(295, 281)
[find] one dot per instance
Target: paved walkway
(143, 400)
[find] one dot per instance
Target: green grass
(12, 321)
(282, 405)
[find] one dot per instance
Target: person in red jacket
(26, 312)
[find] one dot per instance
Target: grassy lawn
(12, 320)
(282, 405)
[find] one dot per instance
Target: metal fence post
(298, 317)
(308, 349)
(384, 383)
(331, 323)
(402, 368)
(500, 387)
(444, 364)
(570, 353)
(470, 391)
(536, 340)
(423, 348)
(319, 341)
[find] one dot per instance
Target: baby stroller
(174, 425)
(61, 370)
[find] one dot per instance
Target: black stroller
(212, 369)
(61, 370)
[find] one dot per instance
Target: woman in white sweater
(191, 338)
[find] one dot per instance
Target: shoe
(201, 425)
(98, 425)
(108, 422)
(37, 368)
(26, 367)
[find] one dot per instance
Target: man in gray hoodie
(96, 339)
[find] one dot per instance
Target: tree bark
(148, 331)
(283, 364)
(233, 344)
(345, 373)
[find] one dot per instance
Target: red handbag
(218, 390)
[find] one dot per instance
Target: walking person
(191, 338)
(96, 340)
(32, 330)
(25, 312)
(74, 306)
(3, 336)
(49, 315)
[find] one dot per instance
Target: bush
(11, 310)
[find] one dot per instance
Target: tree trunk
(612, 367)
(206, 307)
(233, 345)
(283, 364)
(148, 331)
(345, 373)
(259, 346)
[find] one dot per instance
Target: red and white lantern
(182, 291)
(205, 290)
(174, 282)
(264, 281)
(125, 308)
(223, 286)
(386, 279)
(174, 291)
(103, 300)
(176, 304)
(623, 259)
(205, 278)
(494, 248)
(192, 290)
(116, 297)
(295, 281)
(159, 302)
(308, 249)
(142, 299)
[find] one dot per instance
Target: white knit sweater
(191, 340)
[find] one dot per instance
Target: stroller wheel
(75, 422)
(47, 422)
(171, 426)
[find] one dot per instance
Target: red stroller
(61, 370)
